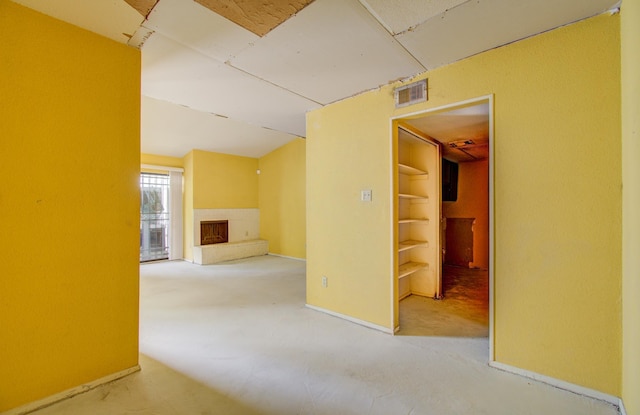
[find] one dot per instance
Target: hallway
(236, 338)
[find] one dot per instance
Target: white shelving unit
(415, 211)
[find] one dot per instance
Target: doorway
(463, 132)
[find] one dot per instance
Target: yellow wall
(216, 181)
(157, 160)
(69, 140)
(630, 32)
(224, 181)
(473, 202)
(187, 207)
(557, 199)
(282, 199)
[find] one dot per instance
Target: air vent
(411, 94)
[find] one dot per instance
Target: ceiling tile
(113, 19)
(257, 16)
(175, 73)
(400, 15)
(330, 50)
(477, 26)
(193, 25)
(173, 130)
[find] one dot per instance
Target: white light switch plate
(365, 195)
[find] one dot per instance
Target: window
(154, 216)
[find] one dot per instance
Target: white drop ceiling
(208, 83)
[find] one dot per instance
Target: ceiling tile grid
(401, 15)
(330, 50)
(477, 26)
(196, 27)
(268, 70)
(181, 75)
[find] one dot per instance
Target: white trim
(351, 319)
(492, 234)
(560, 384)
(621, 407)
(70, 393)
(165, 168)
(288, 257)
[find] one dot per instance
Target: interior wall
(187, 206)
(282, 199)
(473, 202)
(557, 199)
(70, 128)
(223, 181)
(216, 181)
(630, 32)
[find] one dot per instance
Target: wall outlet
(365, 195)
(324, 281)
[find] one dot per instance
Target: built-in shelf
(409, 268)
(409, 196)
(410, 171)
(405, 245)
(417, 166)
(414, 220)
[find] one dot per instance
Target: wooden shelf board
(408, 244)
(409, 196)
(410, 171)
(409, 268)
(411, 220)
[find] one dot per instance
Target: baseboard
(351, 319)
(69, 393)
(560, 384)
(288, 257)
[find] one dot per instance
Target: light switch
(365, 195)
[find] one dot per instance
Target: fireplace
(214, 232)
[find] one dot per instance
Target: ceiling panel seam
(228, 63)
(391, 34)
(437, 16)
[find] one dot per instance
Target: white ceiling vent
(411, 94)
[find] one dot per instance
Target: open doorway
(461, 270)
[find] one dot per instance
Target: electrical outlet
(365, 195)
(324, 281)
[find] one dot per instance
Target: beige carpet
(237, 339)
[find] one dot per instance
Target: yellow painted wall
(224, 181)
(216, 181)
(187, 207)
(473, 202)
(630, 37)
(70, 146)
(349, 241)
(282, 199)
(557, 199)
(157, 160)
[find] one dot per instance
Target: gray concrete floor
(236, 338)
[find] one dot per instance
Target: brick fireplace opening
(214, 232)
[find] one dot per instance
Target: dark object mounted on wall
(449, 181)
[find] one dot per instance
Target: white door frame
(392, 122)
